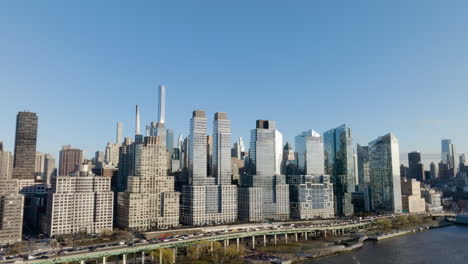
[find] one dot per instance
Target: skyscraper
(70, 159)
(11, 211)
(433, 169)
(39, 166)
(311, 192)
(310, 157)
(119, 133)
(264, 193)
(138, 135)
(6, 165)
(339, 164)
(150, 201)
(197, 156)
(221, 149)
(415, 167)
(385, 174)
(159, 128)
(137, 121)
(170, 141)
(50, 169)
(99, 156)
(162, 105)
(111, 156)
(25, 146)
(209, 200)
(363, 165)
(448, 153)
(238, 148)
(126, 163)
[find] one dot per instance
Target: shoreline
(357, 243)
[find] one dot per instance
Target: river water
(448, 245)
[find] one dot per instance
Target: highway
(98, 252)
(83, 255)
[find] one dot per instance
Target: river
(448, 245)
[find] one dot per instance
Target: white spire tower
(137, 121)
(162, 104)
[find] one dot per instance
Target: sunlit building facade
(385, 174)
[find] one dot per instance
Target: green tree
(415, 220)
(400, 222)
(384, 224)
(167, 255)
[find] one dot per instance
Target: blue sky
(380, 66)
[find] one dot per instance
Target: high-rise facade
(25, 146)
(99, 157)
(159, 128)
(11, 211)
(170, 141)
(311, 196)
(310, 155)
(311, 192)
(50, 169)
(412, 202)
(339, 164)
(448, 156)
(149, 201)
(209, 200)
(238, 148)
(6, 165)
(385, 174)
(39, 166)
(448, 151)
(433, 171)
(415, 167)
(162, 104)
(264, 193)
(221, 149)
(363, 165)
(119, 133)
(111, 156)
(126, 163)
(79, 203)
(70, 159)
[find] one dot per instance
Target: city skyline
(427, 157)
(292, 56)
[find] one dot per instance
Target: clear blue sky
(380, 66)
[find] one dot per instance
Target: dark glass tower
(339, 165)
(25, 145)
(415, 167)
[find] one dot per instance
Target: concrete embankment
(404, 232)
(341, 248)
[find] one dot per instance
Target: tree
(106, 232)
(384, 224)
(167, 255)
(415, 219)
(400, 222)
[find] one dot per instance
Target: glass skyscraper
(385, 174)
(339, 164)
(310, 158)
(311, 192)
(264, 188)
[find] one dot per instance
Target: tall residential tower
(209, 200)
